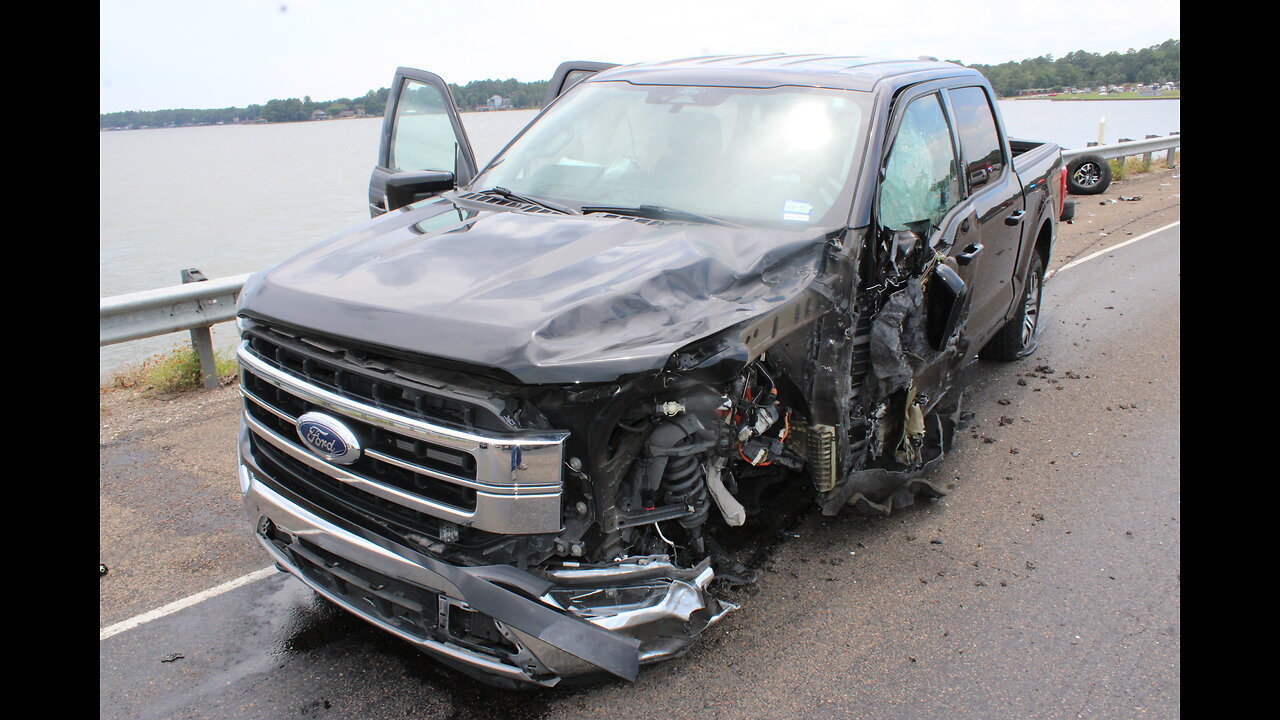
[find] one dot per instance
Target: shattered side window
(920, 180)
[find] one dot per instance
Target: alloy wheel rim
(1031, 310)
(1087, 175)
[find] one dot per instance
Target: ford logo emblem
(327, 437)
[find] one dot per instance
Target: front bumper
(497, 623)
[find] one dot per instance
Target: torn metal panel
(878, 490)
(899, 346)
(662, 606)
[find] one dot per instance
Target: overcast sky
(159, 54)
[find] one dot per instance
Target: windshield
(779, 156)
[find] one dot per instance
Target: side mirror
(407, 187)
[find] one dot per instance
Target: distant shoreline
(1094, 96)
(286, 122)
(1092, 99)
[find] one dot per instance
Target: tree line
(287, 110)
(516, 94)
(1156, 64)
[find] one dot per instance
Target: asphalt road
(1047, 585)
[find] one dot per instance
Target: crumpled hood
(547, 298)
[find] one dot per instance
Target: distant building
(497, 102)
(319, 115)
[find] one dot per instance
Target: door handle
(1015, 218)
(969, 254)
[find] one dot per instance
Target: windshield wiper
(507, 194)
(657, 212)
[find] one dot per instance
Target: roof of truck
(847, 72)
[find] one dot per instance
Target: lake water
(233, 199)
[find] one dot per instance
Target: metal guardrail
(198, 304)
(1126, 147)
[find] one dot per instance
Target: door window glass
(920, 181)
(979, 140)
(423, 133)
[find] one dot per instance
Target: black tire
(1017, 339)
(1088, 175)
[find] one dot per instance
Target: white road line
(1104, 251)
(186, 602)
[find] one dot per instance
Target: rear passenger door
(424, 149)
(995, 196)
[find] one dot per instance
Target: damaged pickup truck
(507, 418)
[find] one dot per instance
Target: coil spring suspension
(672, 468)
(685, 482)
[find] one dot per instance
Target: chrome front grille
(498, 482)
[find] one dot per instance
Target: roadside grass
(177, 370)
(1123, 168)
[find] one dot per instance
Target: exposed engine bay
(679, 455)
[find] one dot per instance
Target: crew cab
(511, 417)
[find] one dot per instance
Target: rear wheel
(1017, 339)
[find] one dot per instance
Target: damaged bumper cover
(497, 623)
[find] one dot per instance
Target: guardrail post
(202, 338)
(1146, 157)
(1124, 158)
(1168, 158)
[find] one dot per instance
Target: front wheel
(1017, 339)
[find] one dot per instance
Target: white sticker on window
(796, 210)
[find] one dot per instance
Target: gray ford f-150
(508, 418)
